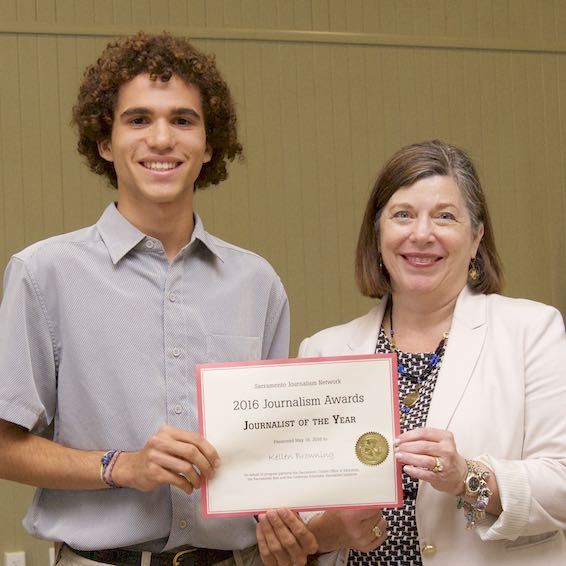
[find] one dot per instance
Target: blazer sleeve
(304, 349)
(533, 488)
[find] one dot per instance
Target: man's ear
(105, 150)
(207, 154)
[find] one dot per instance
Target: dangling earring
(473, 271)
(380, 263)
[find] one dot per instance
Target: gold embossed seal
(372, 448)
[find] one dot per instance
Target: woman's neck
(419, 325)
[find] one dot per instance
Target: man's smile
(160, 165)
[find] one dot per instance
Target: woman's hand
(360, 529)
(430, 454)
(283, 539)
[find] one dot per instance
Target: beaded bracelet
(107, 463)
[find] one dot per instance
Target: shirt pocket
(226, 348)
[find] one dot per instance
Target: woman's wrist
(479, 494)
(328, 537)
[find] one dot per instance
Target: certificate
(308, 434)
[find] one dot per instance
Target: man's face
(158, 142)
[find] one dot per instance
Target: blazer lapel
(363, 338)
(466, 340)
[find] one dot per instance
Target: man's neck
(170, 223)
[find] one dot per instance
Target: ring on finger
(377, 531)
(438, 467)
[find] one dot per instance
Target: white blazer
(501, 390)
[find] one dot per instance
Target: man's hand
(172, 456)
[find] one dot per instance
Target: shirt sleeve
(277, 327)
(27, 360)
(533, 489)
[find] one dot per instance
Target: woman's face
(426, 238)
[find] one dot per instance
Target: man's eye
(182, 122)
(139, 121)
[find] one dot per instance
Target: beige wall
(326, 91)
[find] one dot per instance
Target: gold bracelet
(475, 485)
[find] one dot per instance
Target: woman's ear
(477, 240)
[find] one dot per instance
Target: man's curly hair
(161, 56)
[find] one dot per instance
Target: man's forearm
(30, 459)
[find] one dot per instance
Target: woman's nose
(422, 228)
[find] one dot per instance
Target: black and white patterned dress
(402, 545)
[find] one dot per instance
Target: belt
(185, 557)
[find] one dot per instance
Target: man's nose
(160, 135)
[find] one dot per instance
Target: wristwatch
(475, 480)
(475, 485)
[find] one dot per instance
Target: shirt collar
(199, 233)
(117, 233)
(120, 237)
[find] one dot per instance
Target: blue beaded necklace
(412, 398)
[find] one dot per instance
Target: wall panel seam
(294, 36)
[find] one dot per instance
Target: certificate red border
(398, 502)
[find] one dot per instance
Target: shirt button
(183, 524)
(428, 549)
(176, 352)
(172, 297)
(149, 244)
(178, 409)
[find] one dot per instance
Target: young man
(101, 329)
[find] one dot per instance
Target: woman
(482, 378)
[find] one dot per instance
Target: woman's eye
(401, 214)
(446, 216)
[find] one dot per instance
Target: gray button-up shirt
(99, 337)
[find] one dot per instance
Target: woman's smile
(421, 260)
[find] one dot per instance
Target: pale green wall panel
(26, 10)
(122, 12)
(30, 142)
(8, 10)
(14, 227)
(46, 11)
(50, 181)
(15, 499)
(104, 12)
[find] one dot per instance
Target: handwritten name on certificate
(309, 434)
